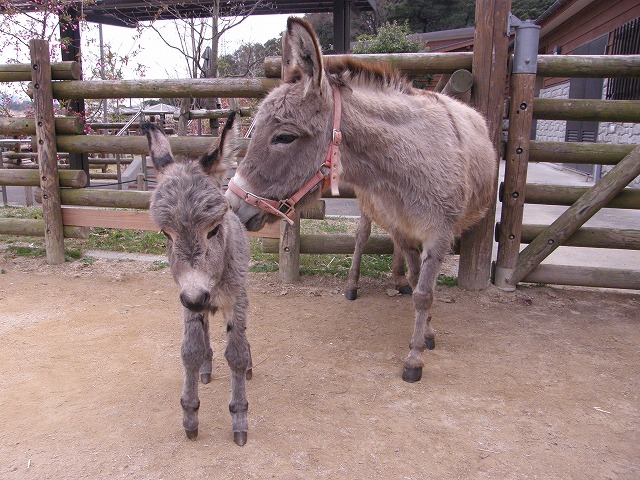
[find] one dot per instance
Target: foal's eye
(166, 234)
(283, 138)
(213, 232)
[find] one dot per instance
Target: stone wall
(553, 130)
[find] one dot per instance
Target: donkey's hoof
(412, 374)
(192, 434)
(429, 343)
(205, 378)
(240, 438)
(405, 290)
(248, 374)
(351, 294)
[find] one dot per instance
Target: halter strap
(285, 209)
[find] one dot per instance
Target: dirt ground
(541, 383)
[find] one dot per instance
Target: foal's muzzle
(197, 302)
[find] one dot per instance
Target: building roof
(128, 12)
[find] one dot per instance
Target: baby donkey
(208, 253)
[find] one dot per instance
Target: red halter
(285, 209)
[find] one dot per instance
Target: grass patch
(158, 265)
(26, 251)
(130, 241)
(447, 281)
(21, 212)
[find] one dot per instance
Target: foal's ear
(218, 160)
(301, 53)
(159, 147)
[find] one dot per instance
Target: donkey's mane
(348, 71)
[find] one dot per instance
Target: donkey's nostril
(197, 302)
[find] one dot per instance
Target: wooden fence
(67, 213)
(513, 265)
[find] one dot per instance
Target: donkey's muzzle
(195, 302)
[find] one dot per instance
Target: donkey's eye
(213, 232)
(283, 138)
(166, 234)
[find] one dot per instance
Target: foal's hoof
(248, 374)
(429, 343)
(205, 378)
(191, 434)
(405, 290)
(240, 438)
(351, 294)
(412, 374)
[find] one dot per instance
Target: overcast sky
(164, 62)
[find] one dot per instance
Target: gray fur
(422, 164)
(208, 254)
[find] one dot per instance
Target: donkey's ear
(218, 160)
(159, 147)
(301, 53)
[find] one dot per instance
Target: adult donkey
(208, 253)
(421, 163)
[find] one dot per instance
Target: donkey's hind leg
(362, 235)
(206, 368)
(238, 357)
(398, 270)
(193, 354)
(432, 258)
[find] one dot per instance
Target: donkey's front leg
(423, 333)
(238, 355)
(193, 354)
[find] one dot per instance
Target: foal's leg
(432, 258)
(193, 353)
(207, 367)
(238, 357)
(362, 235)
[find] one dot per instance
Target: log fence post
(289, 261)
(523, 81)
(47, 154)
(5, 200)
(490, 55)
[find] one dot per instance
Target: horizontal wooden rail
(567, 195)
(21, 72)
(31, 178)
(598, 66)
(31, 227)
(192, 146)
(589, 110)
(132, 220)
(109, 161)
(103, 176)
(337, 244)
(218, 113)
(27, 126)
(409, 63)
(578, 152)
(590, 237)
(171, 88)
(27, 155)
(91, 197)
(592, 66)
(340, 244)
(584, 276)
